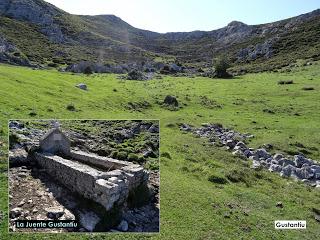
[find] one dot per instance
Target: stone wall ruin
(104, 180)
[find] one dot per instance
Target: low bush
(282, 82)
(217, 179)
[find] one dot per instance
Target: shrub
(152, 164)
(122, 155)
(114, 154)
(308, 88)
(54, 65)
(218, 180)
(13, 139)
(221, 65)
(237, 176)
(282, 82)
(71, 107)
(166, 155)
(33, 113)
(88, 70)
(133, 157)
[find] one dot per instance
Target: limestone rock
(262, 153)
(54, 212)
(287, 171)
(284, 162)
(89, 220)
(275, 168)
(304, 173)
(278, 156)
(123, 226)
(82, 86)
(16, 212)
(300, 160)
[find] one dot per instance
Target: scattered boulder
(231, 143)
(256, 164)
(241, 146)
(123, 226)
(171, 101)
(278, 156)
(300, 160)
(279, 205)
(304, 173)
(153, 129)
(82, 86)
(136, 75)
(54, 212)
(171, 69)
(287, 171)
(262, 153)
(16, 125)
(16, 212)
(275, 168)
(186, 127)
(316, 171)
(284, 162)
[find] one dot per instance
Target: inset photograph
(84, 176)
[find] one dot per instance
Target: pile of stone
(298, 166)
(136, 75)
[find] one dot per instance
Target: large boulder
(316, 171)
(284, 162)
(275, 168)
(288, 170)
(262, 153)
(304, 173)
(300, 160)
(171, 100)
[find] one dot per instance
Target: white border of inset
(83, 119)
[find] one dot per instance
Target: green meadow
(192, 206)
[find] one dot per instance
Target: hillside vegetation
(190, 166)
(48, 36)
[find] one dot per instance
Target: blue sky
(189, 15)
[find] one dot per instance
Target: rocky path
(297, 166)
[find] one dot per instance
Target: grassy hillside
(191, 206)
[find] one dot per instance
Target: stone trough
(104, 180)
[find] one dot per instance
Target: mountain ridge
(107, 38)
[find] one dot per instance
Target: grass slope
(191, 206)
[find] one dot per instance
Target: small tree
(221, 65)
(88, 70)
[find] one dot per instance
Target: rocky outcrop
(9, 53)
(82, 67)
(37, 12)
(253, 52)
